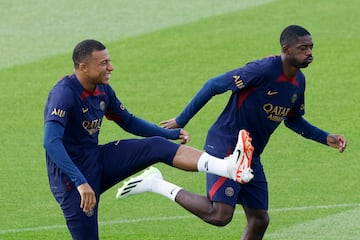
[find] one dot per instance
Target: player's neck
(289, 70)
(87, 85)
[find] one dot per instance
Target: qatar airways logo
(275, 113)
(92, 126)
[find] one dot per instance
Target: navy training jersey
(262, 96)
(81, 113)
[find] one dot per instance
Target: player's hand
(88, 199)
(184, 137)
(337, 141)
(169, 124)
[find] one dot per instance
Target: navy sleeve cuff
(53, 132)
(305, 129)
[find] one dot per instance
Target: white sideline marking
(167, 218)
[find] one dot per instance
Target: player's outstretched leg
(240, 161)
(238, 168)
(150, 180)
(139, 184)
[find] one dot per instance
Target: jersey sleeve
(58, 106)
(307, 130)
(234, 80)
(212, 87)
(143, 128)
(247, 76)
(117, 112)
(53, 134)
(296, 122)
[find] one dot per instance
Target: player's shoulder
(106, 87)
(259, 68)
(65, 86)
(300, 74)
(109, 91)
(266, 63)
(269, 62)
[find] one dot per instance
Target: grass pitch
(159, 66)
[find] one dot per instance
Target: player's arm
(307, 130)
(141, 127)
(212, 87)
(138, 126)
(53, 132)
(144, 128)
(235, 80)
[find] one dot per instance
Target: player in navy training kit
(79, 169)
(264, 93)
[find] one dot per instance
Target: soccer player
(265, 92)
(80, 170)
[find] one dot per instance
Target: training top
(78, 115)
(262, 97)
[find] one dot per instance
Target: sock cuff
(174, 192)
(202, 163)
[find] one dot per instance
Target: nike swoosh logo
(270, 93)
(206, 166)
(84, 110)
(238, 157)
(172, 191)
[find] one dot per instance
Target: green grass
(31, 31)
(156, 74)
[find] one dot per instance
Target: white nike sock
(214, 165)
(165, 188)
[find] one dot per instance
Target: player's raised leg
(237, 167)
(240, 161)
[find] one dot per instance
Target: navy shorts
(253, 194)
(112, 163)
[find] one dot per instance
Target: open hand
(169, 124)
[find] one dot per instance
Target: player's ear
(285, 48)
(83, 67)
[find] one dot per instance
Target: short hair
(84, 49)
(291, 34)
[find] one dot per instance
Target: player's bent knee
(220, 222)
(220, 219)
(259, 222)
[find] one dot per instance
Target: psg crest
(102, 106)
